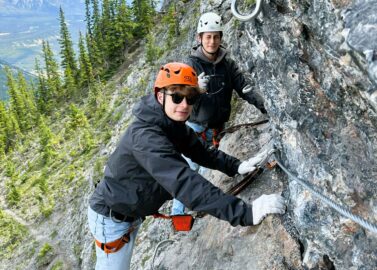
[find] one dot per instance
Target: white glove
(203, 80)
(267, 204)
(247, 89)
(250, 164)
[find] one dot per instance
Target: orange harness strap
(116, 245)
(215, 137)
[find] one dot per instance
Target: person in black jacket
(219, 76)
(147, 169)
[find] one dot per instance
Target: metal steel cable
(339, 208)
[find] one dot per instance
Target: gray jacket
(147, 169)
(213, 109)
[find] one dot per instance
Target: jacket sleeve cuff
(248, 219)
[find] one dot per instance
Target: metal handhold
(245, 18)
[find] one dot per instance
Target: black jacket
(147, 168)
(213, 109)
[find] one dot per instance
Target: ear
(198, 38)
(160, 97)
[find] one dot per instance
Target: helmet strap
(163, 104)
(201, 45)
(214, 53)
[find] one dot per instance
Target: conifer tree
(16, 102)
(46, 140)
(53, 82)
(77, 118)
(13, 131)
(123, 27)
(86, 72)
(97, 43)
(4, 118)
(27, 96)
(69, 83)
(42, 95)
(170, 19)
(13, 195)
(143, 12)
(67, 53)
(106, 25)
(88, 19)
(96, 13)
(95, 96)
(95, 56)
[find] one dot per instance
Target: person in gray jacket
(147, 169)
(219, 76)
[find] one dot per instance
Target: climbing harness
(218, 133)
(215, 136)
(119, 218)
(116, 245)
(181, 223)
(339, 208)
(245, 18)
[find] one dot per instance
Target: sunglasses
(178, 98)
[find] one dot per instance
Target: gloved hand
(203, 80)
(267, 204)
(247, 89)
(250, 164)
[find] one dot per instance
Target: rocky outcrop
(314, 62)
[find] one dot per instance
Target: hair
(201, 34)
(187, 89)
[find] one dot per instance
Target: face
(178, 112)
(211, 41)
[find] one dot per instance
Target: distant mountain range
(23, 26)
(24, 6)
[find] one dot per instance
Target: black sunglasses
(178, 98)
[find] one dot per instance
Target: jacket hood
(149, 110)
(197, 51)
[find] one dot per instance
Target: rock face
(314, 62)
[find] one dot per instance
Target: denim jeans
(178, 208)
(105, 230)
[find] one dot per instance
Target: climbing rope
(339, 208)
(245, 18)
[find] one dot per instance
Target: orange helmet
(175, 73)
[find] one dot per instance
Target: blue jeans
(105, 230)
(178, 208)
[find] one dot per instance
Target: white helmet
(210, 22)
